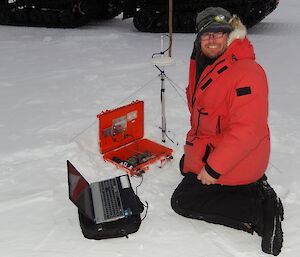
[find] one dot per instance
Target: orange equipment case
(121, 141)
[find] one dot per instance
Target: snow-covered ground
(53, 84)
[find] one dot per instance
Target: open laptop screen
(80, 192)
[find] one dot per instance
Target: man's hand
(205, 178)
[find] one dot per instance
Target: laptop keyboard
(110, 194)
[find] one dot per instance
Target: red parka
(229, 132)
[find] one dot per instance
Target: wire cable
(276, 168)
(164, 51)
(174, 84)
(175, 88)
(136, 188)
(147, 207)
(139, 89)
(94, 122)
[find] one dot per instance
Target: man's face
(213, 44)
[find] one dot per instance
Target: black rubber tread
(55, 13)
(34, 17)
(50, 17)
(151, 17)
(76, 23)
(251, 12)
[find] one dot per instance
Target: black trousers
(238, 207)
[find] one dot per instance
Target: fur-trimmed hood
(239, 29)
(238, 43)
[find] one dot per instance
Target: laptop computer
(102, 201)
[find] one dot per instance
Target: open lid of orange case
(121, 126)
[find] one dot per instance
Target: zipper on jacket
(206, 154)
(199, 113)
(219, 125)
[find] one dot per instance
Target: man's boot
(272, 236)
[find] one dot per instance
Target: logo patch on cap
(219, 18)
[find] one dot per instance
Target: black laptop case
(117, 228)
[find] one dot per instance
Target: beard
(213, 51)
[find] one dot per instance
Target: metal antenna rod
(162, 95)
(160, 62)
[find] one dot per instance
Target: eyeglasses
(208, 35)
